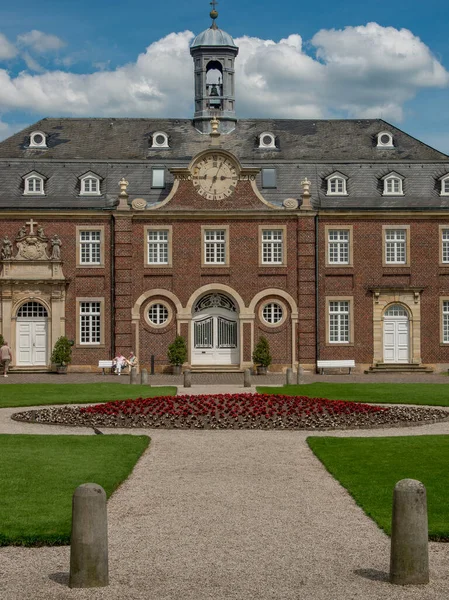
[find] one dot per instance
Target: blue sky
(354, 71)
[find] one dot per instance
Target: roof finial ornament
(214, 14)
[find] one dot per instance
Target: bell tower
(213, 52)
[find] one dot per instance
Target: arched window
(38, 139)
(385, 140)
(159, 140)
(32, 309)
(90, 185)
(393, 185)
(34, 185)
(444, 191)
(396, 310)
(267, 140)
(336, 184)
(214, 84)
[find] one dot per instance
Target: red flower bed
(233, 411)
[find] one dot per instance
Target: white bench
(335, 364)
(105, 364)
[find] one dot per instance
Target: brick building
(330, 238)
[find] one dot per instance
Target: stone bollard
(247, 378)
(409, 562)
(187, 378)
(133, 376)
(289, 377)
(300, 376)
(89, 540)
(144, 377)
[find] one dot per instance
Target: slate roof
(113, 148)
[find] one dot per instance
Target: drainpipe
(317, 293)
(112, 276)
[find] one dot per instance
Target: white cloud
(7, 129)
(39, 41)
(7, 50)
(367, 71)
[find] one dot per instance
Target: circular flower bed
(234, 411)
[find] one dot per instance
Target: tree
(62, 352)
(177, 351)
(261, 354)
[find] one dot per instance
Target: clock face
(215, 176)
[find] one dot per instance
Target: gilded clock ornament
(215, 176)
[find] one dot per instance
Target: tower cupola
(213, 52)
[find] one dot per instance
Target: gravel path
(229, 515)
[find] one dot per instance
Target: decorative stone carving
(6, 249)
(123, 195)
(215, 125)
(139, 204)
(290, 203)
(56, 248)
(32, 246)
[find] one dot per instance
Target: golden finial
(214, 14)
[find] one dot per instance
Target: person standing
(5, 357)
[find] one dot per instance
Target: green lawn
(432, 394)
(36, 394)
(369, 468)
(39, 473)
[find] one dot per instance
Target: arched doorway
(32, 334)
(396, 334)
(215, 331)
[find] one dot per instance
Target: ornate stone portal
(32, 271)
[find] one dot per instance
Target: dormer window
(34, 185)
(444, 185)
(336, 185)
(38, 139)
(393, 185)
(90, 185)
(385, 140)
(159, 140)
(267, 140)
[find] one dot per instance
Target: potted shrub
(177, 354)
(62, 354)
(262, 356)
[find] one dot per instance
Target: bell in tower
(213, 52)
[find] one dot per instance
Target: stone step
(399, 368)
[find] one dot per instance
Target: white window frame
(154, 184)
(273, 302)
(271, 144)
(395, 246)
(34, 144)
(163, 303)
(388, 144)
(272, 246)
(92, 318)
(161, 145)
(338, 181)
(389, 181)
(90, 246)
(214, 246)
(444, 190)
(444, 245)
(338, 246)
(158, 248)
(29, 186)
(339, 321)
(90, 177)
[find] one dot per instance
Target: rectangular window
(158, 246)
(445, 245)
(445, 305)
(338, 321)
(90, 322)
(90, 247)
(268, 178)
(272, 247)
(214, 246)
(395, 246)
(338, 246)
(158, 178)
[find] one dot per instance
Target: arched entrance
(396, 334)
(32, 335)
(215, 331)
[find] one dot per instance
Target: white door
(396, 335)
(215, 332)
(32, 327)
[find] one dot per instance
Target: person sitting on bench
(119, 363)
